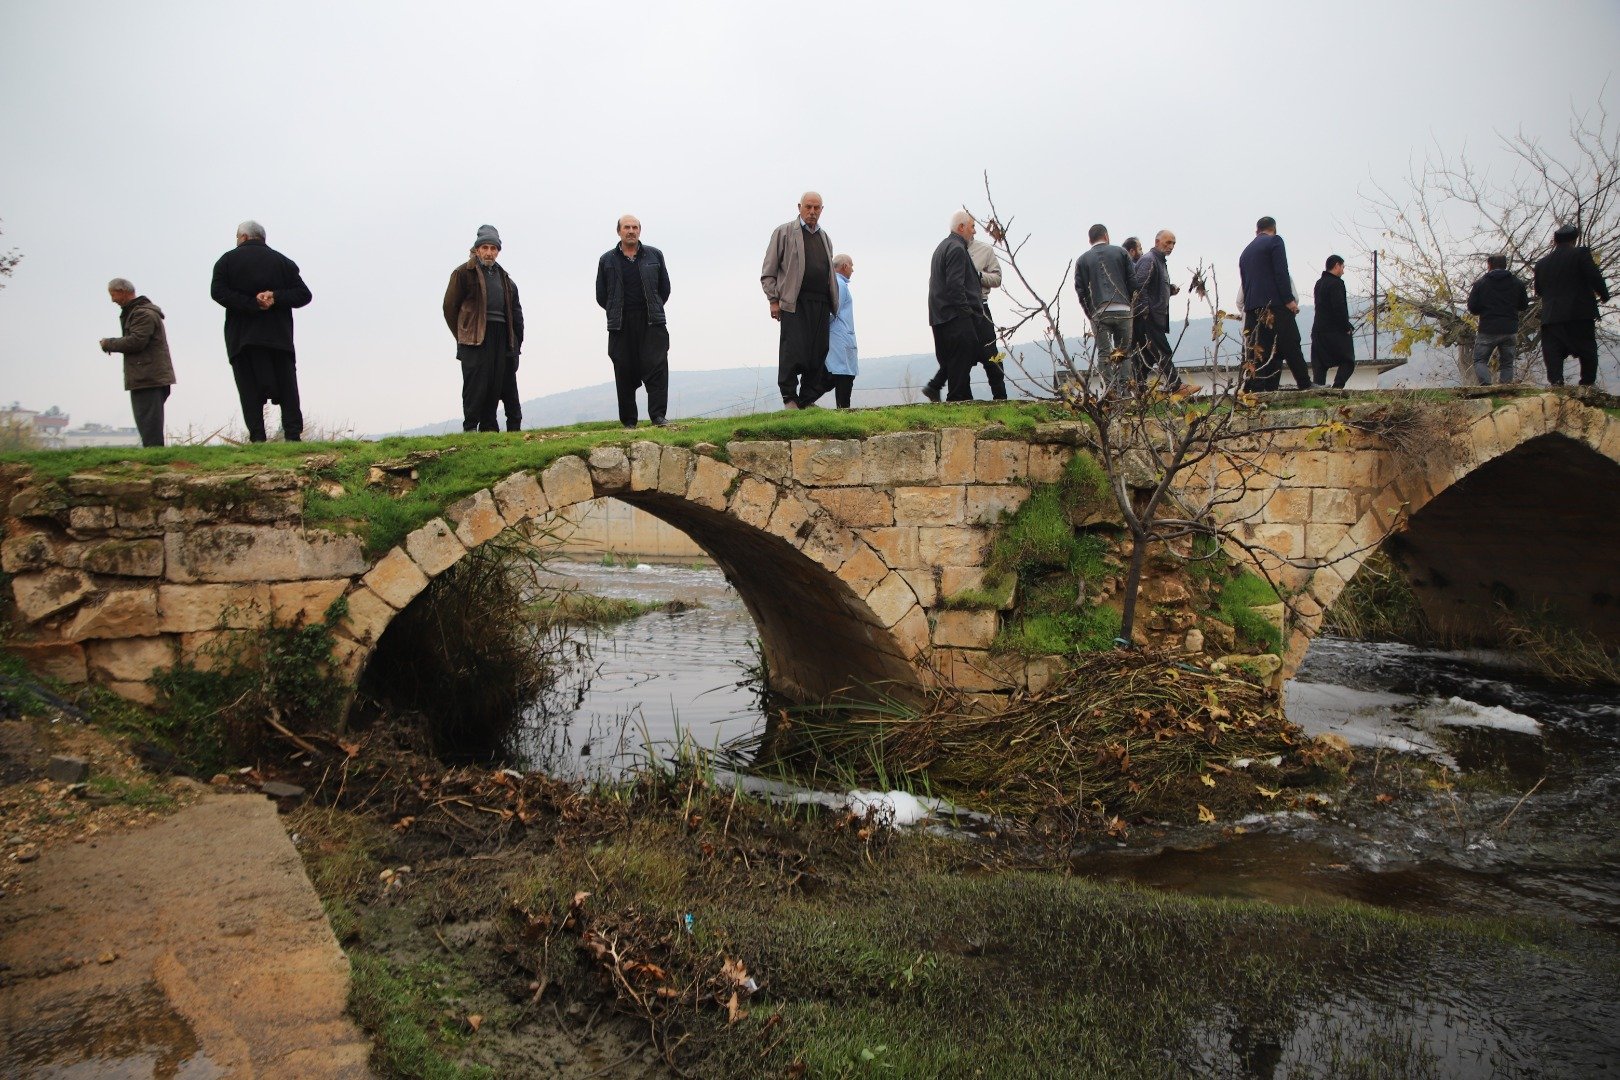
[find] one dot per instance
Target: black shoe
(660, 422)
(930, 392)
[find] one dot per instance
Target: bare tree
(1180, 469)
(1435, 229)
(8, 262)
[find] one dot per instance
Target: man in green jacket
(148, 370)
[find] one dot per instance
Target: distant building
(44, 427)
(99, 435)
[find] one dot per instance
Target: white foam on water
(1460, 712)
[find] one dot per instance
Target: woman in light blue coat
(842, 360)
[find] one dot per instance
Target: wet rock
(67, 770)
(277, 790)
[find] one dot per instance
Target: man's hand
(266, 300)
(776, 310)
(103, 343)
(1175, 290)
(1293, 305)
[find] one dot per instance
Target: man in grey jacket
(802, 289)
(1106, 281)
(1151, 326)
(148, 371)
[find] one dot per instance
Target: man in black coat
(1570, 286)
(1333, 343)
(954, 305)
(1497, 298)
(1270, 329)
(632, 286)
(258, 287)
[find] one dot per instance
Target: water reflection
(135, 1035)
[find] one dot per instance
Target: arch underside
(1533, 532)
(820, 642)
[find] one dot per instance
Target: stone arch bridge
(842, 549)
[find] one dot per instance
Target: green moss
(138, 793)
(404, 1006)
(1090, 629)
(1236, 605)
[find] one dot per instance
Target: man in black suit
(1570, 286)
(258, 287)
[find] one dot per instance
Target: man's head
(810, 208)
(1566, 234)
(1132, 246)
(1496, 262)
(629, 232)
(962, 225)
(845, 265)
(1335, 265)
(249, 230)
(1164, 241)
(120, 290)
(1266, 224)
(487, 245)
(1098, 234)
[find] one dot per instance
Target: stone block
(59, 660)
(31, 551)
(929, 505)
(1287, 504)
(1047, 462)
(610, 469)
(772, 460)
(752, 502)
(267, 508)
(435, 548)
(1334, 505)
(209, 650)
(520, 498)
(911, 633)
(674, 469)
(124, 558)
(129, 659)
(924, 582)
(902, 457)
(956, 456)
(1040, 671)
(183, 609)
(790, 521)
(973, 669)
(710, 481)
(1307, 468)
(121, 613)
(897, 545)
(259, 553)
(829, 544)
(94, 485)
(369, 615)
(299, 603)
(49, 591)
(141, 693)
(91, 519)
(1001, 461)
(960, 546)
(967, 629)
(646, 457)
(987, 504)
(819, 462)
(958, 579)
(863, 570)
(857, 507)
(396, 578)
(476, 518)
(63, 769)
(1287, 541)
(34, 502)
(1320, 537)
(1355, 470)
(891, 600)
(349, 659)
(567, 481)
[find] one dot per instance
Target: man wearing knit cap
(258, 287)
(482, 310)
(1570, 286)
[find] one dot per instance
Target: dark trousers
(1153, 352)
(640, 355)
(956, 348)
(842, 387)
(801, 364)
(484, 371)
(1577, 339)
(511, 403)
(1271, 336)
(993, 374)
(148, 407)
(263, 374)
(1337, 351)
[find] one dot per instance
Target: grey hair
(960, 218)
(120, 284)
(250, 229)
(843, 262)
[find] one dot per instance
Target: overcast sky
(372, 139)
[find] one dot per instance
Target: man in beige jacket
(802, 288)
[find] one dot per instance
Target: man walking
(148, 371)
(258, 287)
(1497, 298)
(1106, 282)
(1270, 329)
(1570, 286)
(1150, 326)
(843, 358)
(482, 309)
(802, 290)
(955, 299)
(985, 262)
(632, 286)
(1333, 343)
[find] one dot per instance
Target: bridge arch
(836, 621)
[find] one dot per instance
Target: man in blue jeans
(1105, 280)
(1497, 298)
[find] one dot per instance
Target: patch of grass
(588, 609)
(403, 1006)
(138, 793)
(1378, 604)
(1091, 629)
(1236, 603)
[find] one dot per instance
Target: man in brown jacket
(148, 370)
(482, 310)
(802, 288)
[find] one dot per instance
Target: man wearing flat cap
(1570, 286)
(482, 310)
